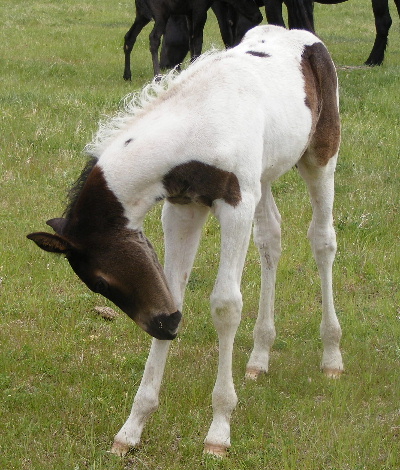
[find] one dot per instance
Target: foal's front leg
(146, 399)
(226, 308)
(182, 226)
(182, 229)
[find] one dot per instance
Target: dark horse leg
(383, 22)
(175, 43)
(225, 15)
(300, 13)
(130, 38)
(157, 32)
(196, 28)
(273, 11)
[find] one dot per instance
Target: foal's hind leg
(267, 237)
(182, 229)
(320, 182)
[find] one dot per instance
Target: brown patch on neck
(198, 182)
(320, 88)
(115, 261)
(96, 210)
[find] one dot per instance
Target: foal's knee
(226, 308)
(323, 242)
(269, 242)
(147, 400)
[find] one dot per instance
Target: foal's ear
(57, 224)
(50, 242)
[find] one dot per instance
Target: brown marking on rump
(201, 183)
(320, 85)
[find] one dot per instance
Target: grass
(67, 377)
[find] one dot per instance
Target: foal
(212, 139)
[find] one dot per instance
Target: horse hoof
(120, 449)
(252, 373)
(332, 373)
(215, 450)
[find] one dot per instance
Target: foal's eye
(101, 286)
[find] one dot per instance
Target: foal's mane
(131, 106)
(136, 103)
(76, 188)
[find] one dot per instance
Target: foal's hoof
(215, 450)
(252, 373)
(332, 373)
(120, 449)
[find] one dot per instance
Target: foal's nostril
(165, 326)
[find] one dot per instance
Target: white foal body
(214, 138)
(266, 130)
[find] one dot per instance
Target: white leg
(226, 307)
(267, 237)
(320, 182)
(146, 399)
(182, 226)
(182, 230)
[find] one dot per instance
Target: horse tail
(300, 14)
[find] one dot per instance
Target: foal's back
(256, 103)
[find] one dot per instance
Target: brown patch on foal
(201, 183)
(321, 97)
(258, 54)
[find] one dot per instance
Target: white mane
(135, 103)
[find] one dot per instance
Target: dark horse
(300, 16)
(383, 21)
(175, 46)
(233, 26)
(160, 11)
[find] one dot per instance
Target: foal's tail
(300, 14)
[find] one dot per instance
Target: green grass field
(68, 377)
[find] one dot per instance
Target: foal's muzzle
(164, 326)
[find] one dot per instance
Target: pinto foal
(212, 139)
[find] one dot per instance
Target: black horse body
(233, 26)
(380, 8)
(161, 11)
